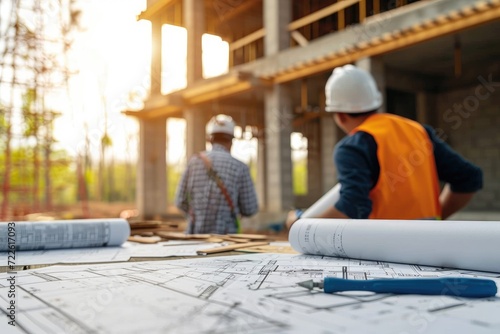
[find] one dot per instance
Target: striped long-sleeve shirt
(202, 200)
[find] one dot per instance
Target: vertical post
(278, 112)
(156, 56)
(376, 7)
(341, 19)
(152, 169)
(362, 11)
(329, 135)
(194, 22)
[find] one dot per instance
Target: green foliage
(119, 182)
(106, 141)
(300, 177)
(124, 185)
(22, 182)
(173, 178)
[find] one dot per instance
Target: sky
(111, 59)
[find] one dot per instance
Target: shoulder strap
(212, 173)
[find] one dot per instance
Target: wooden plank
(155, 9)
(236, 88)
(318, 15)
(249, 236)
(230, 247)
(299, 38)
(376, 7)
(341, 20)
(362, 11)
(242, 7)
(144, 240)
(207, 87)
(252, 37)
(154, 113)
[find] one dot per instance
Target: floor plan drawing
(256, 293)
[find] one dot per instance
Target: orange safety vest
(407, 187)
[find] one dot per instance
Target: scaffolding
(35, 36)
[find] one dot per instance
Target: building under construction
(436, 62)
(34, 38)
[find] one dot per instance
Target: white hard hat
(351, 90)
(220, 124)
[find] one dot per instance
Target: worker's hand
(292, 217)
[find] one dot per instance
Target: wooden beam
(362, 11)
(332, 9)
(299, 38)
(207, 87)
(341, 20)
(387, 45)
(303, 94)
(168, 110)
(154, 9)
(376, 7)
(236, 88)
(229, 14)
(247, 39)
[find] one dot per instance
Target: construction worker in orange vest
(389, 167)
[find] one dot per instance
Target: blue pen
(454, 286)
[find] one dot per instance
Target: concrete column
(278, 112)
(277, 15)
(314, 169)
(426, 108)
(195, 131)
(152, 169)
(156, 57)
(330, 134)
(376, 67)
(278, 117)
(194, 22)
(261, 173)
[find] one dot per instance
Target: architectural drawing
(71, 255)
(254, 293)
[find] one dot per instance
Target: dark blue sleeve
(452, 168)
(358, 171)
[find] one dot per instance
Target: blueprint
(254, 293)
(71, 255)
(168, 248)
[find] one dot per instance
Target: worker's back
(408, 186)
(200, 196)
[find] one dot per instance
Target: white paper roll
(327, 200)
(472, 245)
(58, 234)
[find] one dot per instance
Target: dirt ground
(77, 211)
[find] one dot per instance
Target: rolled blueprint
(327, 200)
(56, 234)
(472, 245)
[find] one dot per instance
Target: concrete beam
(325, 53)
